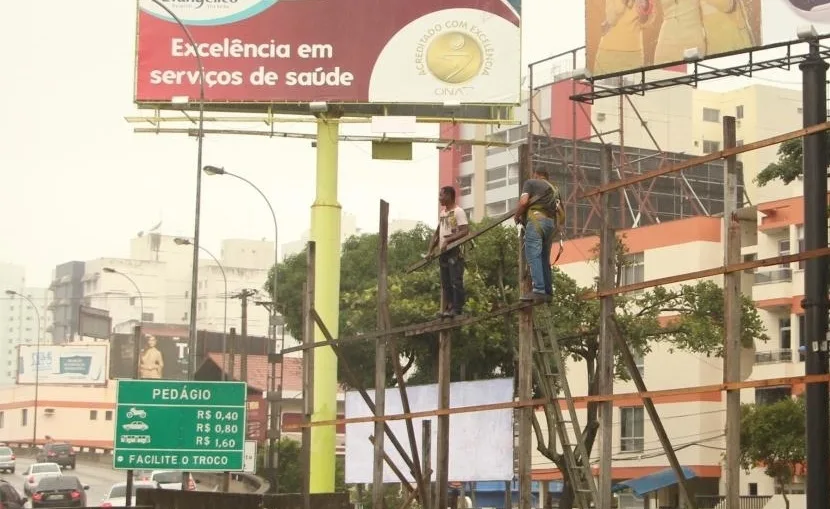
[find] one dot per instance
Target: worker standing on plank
(541, 220)
(452, 225)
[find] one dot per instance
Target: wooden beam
(662, 393)
(524, 416)
(380, 355)
(715, 271)
(419, 328)
(708, 158)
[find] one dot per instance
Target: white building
(161, 270)
(20, 322)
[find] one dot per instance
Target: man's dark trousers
(452, 279)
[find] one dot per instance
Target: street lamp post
(272, 322)
(110, 270)
(12, 293)
(186, 242)
(193, 337)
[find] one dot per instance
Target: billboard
(94, 323)
(257, 421)
(481, 443)
(621, 35)
(62, 364)
(359, 51)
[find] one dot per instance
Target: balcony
(774, 356)
(776, 275)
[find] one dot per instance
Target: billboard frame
(428, 112)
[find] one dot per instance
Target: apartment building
(153, 284)
(679, 120)
(21, 322)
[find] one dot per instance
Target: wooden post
(732, 314)
(308, 369)
(442, 473)
(525, 368)
(605, 368)
(380, 353)
(426, 457)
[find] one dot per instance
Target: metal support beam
(732, 313)
(308, 368)
(814, 92)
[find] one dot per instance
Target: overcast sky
(78, 183)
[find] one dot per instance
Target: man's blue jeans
(538, 242)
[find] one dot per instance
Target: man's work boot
(535, 297)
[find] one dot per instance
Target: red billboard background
(331, 50)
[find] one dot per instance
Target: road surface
(98, 477)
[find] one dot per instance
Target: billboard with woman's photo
(622, 35)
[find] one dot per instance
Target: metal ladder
(547, 356)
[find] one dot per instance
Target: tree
(790, 163)
(486, 349)
(696, 325)
(290, 467)
(774, 436)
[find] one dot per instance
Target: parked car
(167, 479)
(6, 459)
(117, 496)
(63, 491)
(61, 453)
(9, 497)
(36, 472)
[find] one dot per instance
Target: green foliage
(774, 436)
(393, 497)
(290, 469)
(790, 163)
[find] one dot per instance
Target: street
(99, 477)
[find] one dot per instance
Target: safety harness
(558, 217)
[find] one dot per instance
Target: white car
(117, 495)
(36, 472)
(136, 426)
(167, 479)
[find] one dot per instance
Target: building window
(496, 177)
(466, 152)
(93, 415)
(24, 417)
(633, 269)
(631, 429)
(496, 208)
(513, 174)
(132, 301)
(784, 334)
(799, 232)
(739, 111)
(770, 395)
(711, 115)
(108, 415)
(750, 258)
(710, 146)
(640, 362)
(147, 317)
(802, 336)
(465, 185)
(753, 489)
(2, 419)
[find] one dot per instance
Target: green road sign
(177, 425)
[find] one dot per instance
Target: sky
(79, 183)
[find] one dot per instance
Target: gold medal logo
(454, 57)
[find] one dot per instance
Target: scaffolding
(652, 186)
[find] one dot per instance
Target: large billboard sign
(622, 35)
(62, 364)
(356, 51)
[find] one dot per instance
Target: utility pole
(814, 75)
(732, 313)
(231, 351)
(384, 323)
(605, 369)
(244, 295)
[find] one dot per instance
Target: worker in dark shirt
(539, 209)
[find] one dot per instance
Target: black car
(9, 497)
(63, 491)
(62, 454)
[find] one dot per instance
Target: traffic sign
(178, 425)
